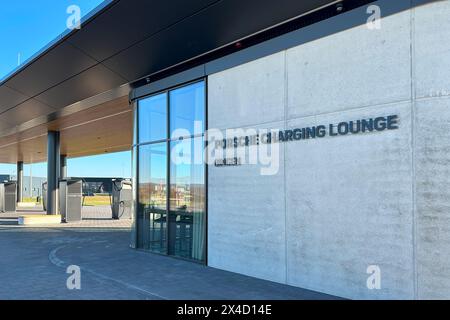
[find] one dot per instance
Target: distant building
(5, 177)
(93, 186)
(31, 190)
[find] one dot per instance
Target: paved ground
(33, 264)
(93, 217)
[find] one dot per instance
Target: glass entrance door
(153, 197)
(171, 210)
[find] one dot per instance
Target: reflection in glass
(187, 105)
(187, 200)
(152, 213)
(135, 124)
(179, 230)
(153, 118)
(135, 235)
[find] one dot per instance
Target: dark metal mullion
(153, 142)
(193, 136)
(137, 225)
(171, 88)
(165, 140)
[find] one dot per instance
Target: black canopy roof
(126, 40)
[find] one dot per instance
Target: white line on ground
(60, 263)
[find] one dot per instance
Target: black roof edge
(302, 21)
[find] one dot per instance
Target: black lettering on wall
(367, 125)
(343, 128)
(392, 122)
(289, 135)
(332, 133)
(311, 133)
(380, 124)
(297, 134)
(355, 127)
(321, 131)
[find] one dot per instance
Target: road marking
(60, 263)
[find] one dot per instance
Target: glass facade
(171, 193)
(152, 119)
(152, 195)
(183, 119)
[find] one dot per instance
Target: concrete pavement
(34, 261)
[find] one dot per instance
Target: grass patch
(30, 200)
(97, 201)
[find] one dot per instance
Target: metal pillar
(63, 169)
(19, 181)
(53, 171)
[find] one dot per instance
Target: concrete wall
(431, 98)
(340, 204)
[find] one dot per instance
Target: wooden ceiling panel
(104, 128)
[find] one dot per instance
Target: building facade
(302, 142)
(357, 125)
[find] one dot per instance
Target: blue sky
(109, 165)
(26, 26)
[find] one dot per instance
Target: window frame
(137, 144)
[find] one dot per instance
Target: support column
(63, 164)
(19, 181)
(53, 171)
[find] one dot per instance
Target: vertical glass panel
(152, 211)
(187, 106)
(135, 235)
(180, 231)
(187, 200)
(153, 118)
(135, 124)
